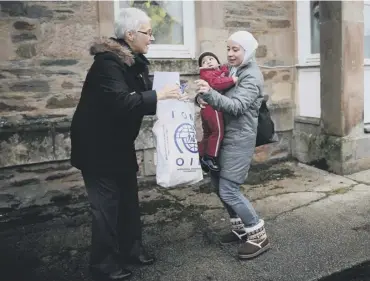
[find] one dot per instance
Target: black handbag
(266, 127)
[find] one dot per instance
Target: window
(367, 31)
(308, 30)
(174, 36)
(315, 27)
(308, 11)
(308, 35)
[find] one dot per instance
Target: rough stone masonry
(45, 57)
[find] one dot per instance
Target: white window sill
(170, 52)
(316, 63)
(308, 65)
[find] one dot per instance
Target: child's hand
(235, 79)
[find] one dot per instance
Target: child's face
(209, 61)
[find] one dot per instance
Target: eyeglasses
(149, 33)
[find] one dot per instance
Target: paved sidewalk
(318, 223)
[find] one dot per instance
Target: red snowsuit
(212, 120)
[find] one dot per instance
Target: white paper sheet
(163, 78)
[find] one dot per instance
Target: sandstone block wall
(44, 60)
(41, 74)
(272, 23)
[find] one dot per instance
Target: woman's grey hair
(129, 19)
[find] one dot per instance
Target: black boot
(211, 163)
(139, 255)
(204, 167)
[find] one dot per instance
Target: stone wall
(340, 155)
(43, 68)
(45, 57)
(273, 25)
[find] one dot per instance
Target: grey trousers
(234, 201)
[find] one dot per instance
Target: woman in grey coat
(240, 106)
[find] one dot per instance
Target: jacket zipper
(145, 85)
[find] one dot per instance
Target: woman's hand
(202, 86)
(169, 92)
(201, 102)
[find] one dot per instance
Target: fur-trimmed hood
(105, 44)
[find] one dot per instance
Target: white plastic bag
(176, 143)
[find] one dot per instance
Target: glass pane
(315, 28)
(367, 30)
(167, 19)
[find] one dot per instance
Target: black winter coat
(115, 97)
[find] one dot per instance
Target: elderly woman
(115, 97)
(240, 106)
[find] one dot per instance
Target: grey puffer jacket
(240, 106)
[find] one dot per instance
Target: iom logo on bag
(185, 138)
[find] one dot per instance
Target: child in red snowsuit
(218, 78)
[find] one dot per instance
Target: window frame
(168, 51)
(366, 3)
(303, 18)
